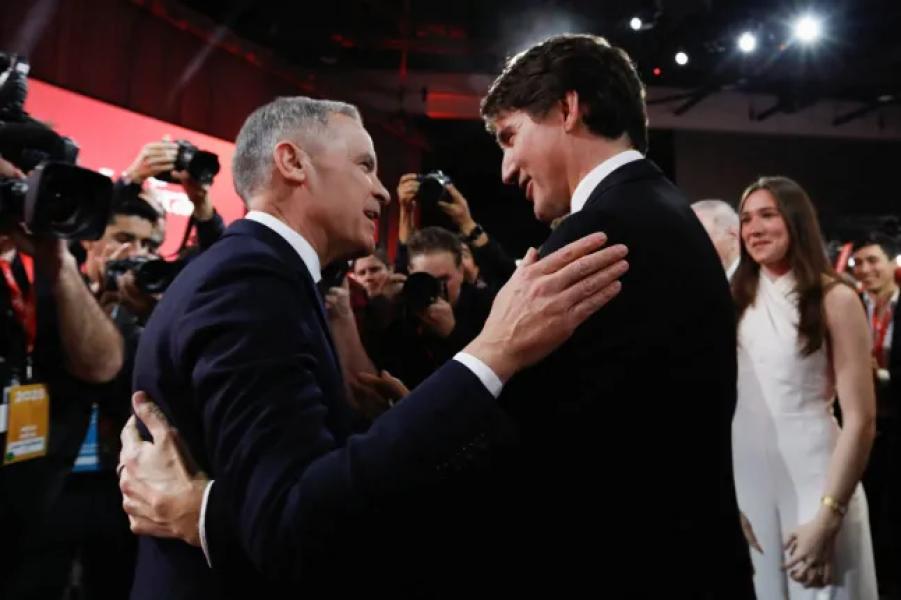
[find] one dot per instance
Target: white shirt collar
(597, 174)
(297, 241)
(871, 304)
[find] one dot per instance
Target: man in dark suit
(626, 429)
(239, 357)
(627, 426)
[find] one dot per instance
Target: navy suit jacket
(239, 357)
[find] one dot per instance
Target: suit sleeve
(285, 486)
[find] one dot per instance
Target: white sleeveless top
(774, 377)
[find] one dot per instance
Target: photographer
(55, 338)
(430, 330)
(158, 159)
(94, 531)
(494, 265)
(130, 233)
(86, 521)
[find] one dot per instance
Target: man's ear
(291, 161)
(569, 107)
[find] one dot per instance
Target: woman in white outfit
(802, 339)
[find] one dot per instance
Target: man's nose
(509, 170)
(381, 194)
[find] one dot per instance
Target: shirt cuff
(488, 377)
(201, 526)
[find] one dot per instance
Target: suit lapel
(293, 261)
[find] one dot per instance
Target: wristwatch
(475, 233)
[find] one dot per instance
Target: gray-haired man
(240, 358)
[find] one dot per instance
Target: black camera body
(58, 200)
(420, 291)
(201, 165)
(432, 188)
(152, 275)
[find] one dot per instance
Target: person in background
(721, 223)
(802, 341)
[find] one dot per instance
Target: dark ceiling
(859, 57)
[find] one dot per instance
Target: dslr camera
(152, 275)
(420, 291)
(201, 165)
(432, 188)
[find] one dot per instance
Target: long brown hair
(806, 256)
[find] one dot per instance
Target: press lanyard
(23, 305)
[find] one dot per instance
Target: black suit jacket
(627, 427)
(239, 357)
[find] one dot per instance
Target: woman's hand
(810, 548)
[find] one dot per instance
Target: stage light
(656, 71)
(747, 42)
(681, 59)
(635, 23)
(807, 29)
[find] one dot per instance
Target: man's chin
(546, 214)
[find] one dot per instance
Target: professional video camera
(58, 199)
(201, 165)
(152, 275)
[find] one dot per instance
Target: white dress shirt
(597, 174)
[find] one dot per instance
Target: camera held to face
(201, 165)
(421, 290)
(152, 275)
(432, 189)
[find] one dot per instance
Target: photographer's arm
(497, 267)
(92, 346)
(407, 189)
(153, 159)
(353, 358)
(209, 223)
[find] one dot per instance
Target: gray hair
(721, 213)
(295, 117)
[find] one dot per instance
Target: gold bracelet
(834, 505)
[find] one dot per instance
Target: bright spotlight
(747, 42)
(681, 59)
(808, 29)
(635, 23)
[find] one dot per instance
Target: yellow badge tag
(28, 423)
